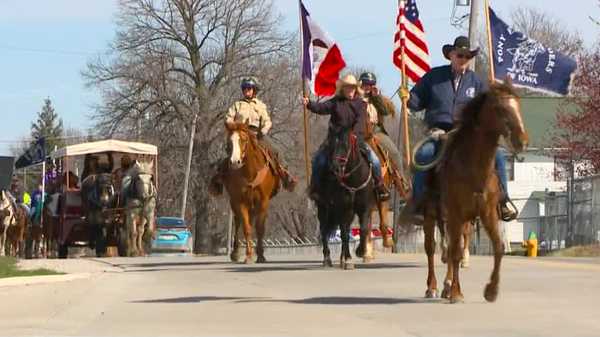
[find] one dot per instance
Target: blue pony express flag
(527, 61)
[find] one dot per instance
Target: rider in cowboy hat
(347, 110)
(443, 92)
(378, 107)
(253, 111)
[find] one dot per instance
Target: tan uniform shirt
(253, 111)
(372, 111)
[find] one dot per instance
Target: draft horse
(465, 185)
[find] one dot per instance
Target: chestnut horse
(469, 186)
(250, 184)
(392, 178)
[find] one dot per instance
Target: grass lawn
(579, 251)
(8, 268)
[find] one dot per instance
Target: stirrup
(512, 214)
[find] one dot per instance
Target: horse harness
(352, 150)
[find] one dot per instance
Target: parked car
(173, 234)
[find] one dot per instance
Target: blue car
(173, 234)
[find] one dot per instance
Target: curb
(31, 280)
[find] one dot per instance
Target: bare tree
(547, 30)
(173, 60)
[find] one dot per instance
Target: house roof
(539, 115)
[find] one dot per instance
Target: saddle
(389, 168)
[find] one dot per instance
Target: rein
(352, 151)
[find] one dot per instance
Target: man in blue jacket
(443, 92)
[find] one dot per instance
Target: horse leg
(429, 229)
(363, 250)
(260, 233)
(245, 217)
(345, 257)
(490, 222)
(455, 252)
(465, 262)
(3, 242)
(324, 226)
(383, 209)
(235, 252)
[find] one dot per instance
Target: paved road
(294, 296)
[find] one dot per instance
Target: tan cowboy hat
(348, 80)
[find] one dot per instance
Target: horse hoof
(261, 259)
(431, 293)
(249, 260)
(327, 264)
(458, 298)
(491, 293)
(234, 257)
(388, 242)
(446, 291)
(348, 266)
(464, 264)
(368, 259)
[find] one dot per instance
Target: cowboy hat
(348, 80)
(461, 43)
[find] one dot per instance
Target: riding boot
(289, 181)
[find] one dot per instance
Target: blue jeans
(427, 153)
(319, 162)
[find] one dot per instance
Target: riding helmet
(368, 78)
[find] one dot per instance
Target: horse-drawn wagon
(105, 196)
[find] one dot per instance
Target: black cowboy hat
(461, 43)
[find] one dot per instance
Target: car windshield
(171, 222)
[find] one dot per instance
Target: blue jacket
(435, 93)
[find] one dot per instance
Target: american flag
(410, 40)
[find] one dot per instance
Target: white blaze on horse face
(236, 152)
(516, 110)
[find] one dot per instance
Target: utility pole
(474, 25)
(188, 167)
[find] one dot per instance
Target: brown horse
(391, 178)
(468, 185)
(250, 184)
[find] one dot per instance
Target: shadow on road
(331, 300)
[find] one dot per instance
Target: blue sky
(46, 44)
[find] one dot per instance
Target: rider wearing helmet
(378, 107)
(253, 111)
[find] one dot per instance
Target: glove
(404, 93)
(436, 133)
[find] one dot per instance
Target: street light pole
(188, 167)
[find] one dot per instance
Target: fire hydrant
(531, 244)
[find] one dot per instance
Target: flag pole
(404, 86)
(304, 95)
(491, 73)
(306, 144)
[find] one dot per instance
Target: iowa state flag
(322, 60)
(529, 63)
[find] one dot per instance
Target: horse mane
(141, 167)
(470, 113)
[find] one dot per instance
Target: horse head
(105, 190)
(142, 184)
(344, 149)
(237, 143)
(498, 112)
(509, 119)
